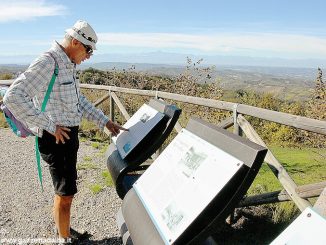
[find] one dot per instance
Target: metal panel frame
(216, 212)
(120, 168)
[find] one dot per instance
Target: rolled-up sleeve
(19, 97)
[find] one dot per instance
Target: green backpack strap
(45, 101)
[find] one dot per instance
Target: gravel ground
(26, 212)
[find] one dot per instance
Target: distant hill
(180, 59)
(12, 68)
(286, 83)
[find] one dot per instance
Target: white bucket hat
(84, 33)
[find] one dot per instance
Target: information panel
(182, 181)
(139, 125)
(308, 228)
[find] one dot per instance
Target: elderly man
(58, 124)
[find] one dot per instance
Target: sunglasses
(88, 49)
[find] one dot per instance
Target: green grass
(96, 188)
(102, 182)
(103, 150)
(96, 145)
(101, 147)
(87, 166)
(107, 178)
(305, 166)
(87, 159)
(90, 131)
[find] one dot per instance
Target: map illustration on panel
(191, 161)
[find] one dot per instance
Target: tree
(316, 108)
(6, 76)
(317, 105)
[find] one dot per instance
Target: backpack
(20, 128)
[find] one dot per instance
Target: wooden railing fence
(298, 194)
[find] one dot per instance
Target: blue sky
(284, 29)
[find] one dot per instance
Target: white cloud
(22, 10)
(298, 45)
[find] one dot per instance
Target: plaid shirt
(66, 105)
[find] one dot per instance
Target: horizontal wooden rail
(304, 191)
(300, 122)
(6, 82)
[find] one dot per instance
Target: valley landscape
(286, 83)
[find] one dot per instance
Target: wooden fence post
(236, 128)
(120, 106)
(274, 165)
(111, 107)
(320, 205)
(111, 114)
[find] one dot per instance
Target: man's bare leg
(61, 214)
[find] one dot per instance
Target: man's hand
(114, 128)
(61, 134)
